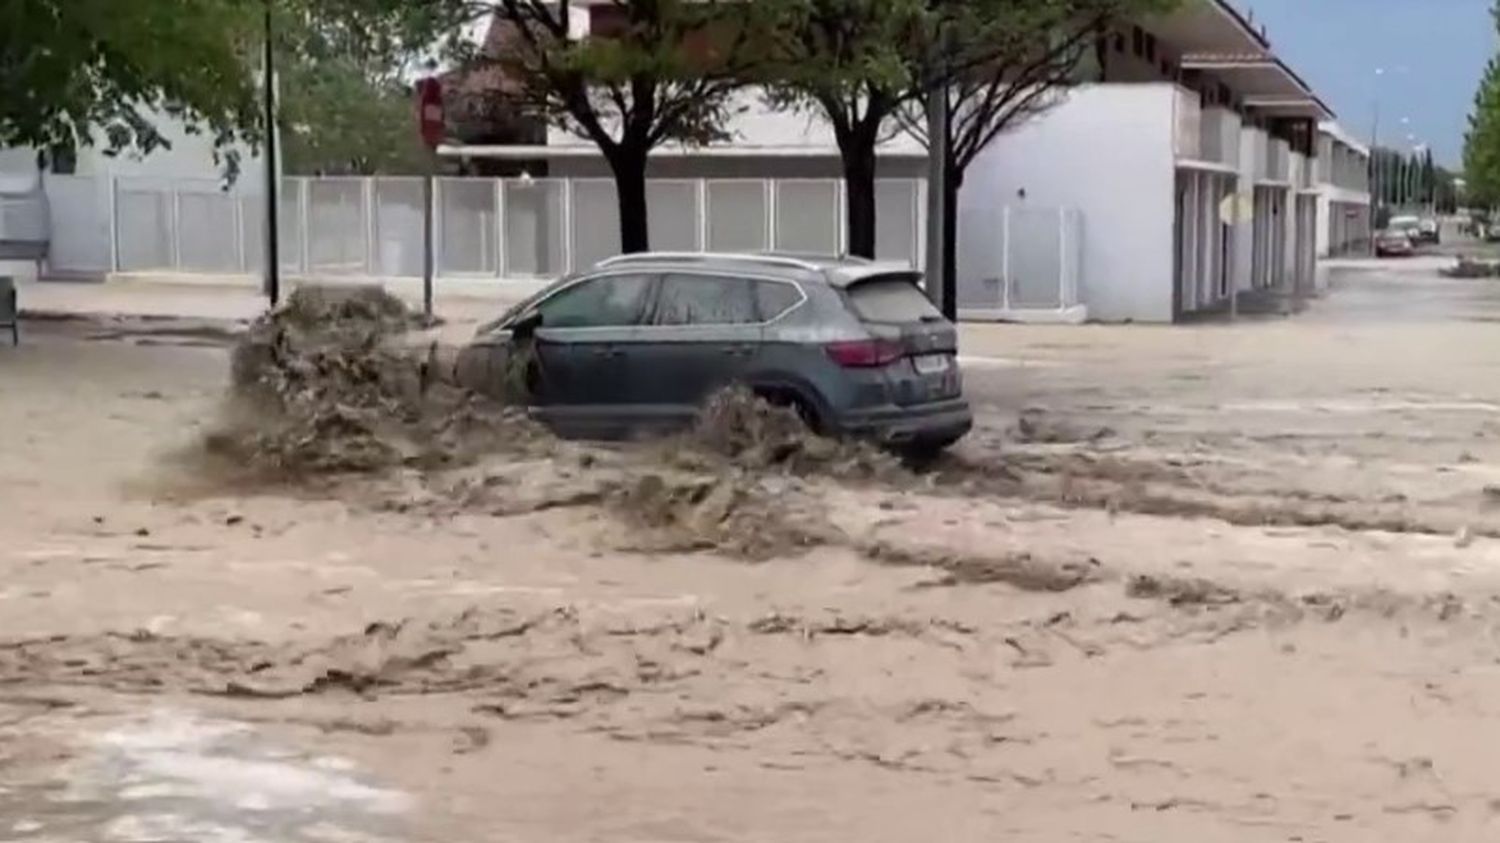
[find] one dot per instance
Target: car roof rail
(814, 257)
(699, 257)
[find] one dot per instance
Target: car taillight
(858, 354)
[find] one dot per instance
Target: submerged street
(1211, 581)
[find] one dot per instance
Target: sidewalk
(167, 298)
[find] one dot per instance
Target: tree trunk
(858, 154)
(950, 243)
(629, 168)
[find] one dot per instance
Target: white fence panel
(737, 215)
(807, 216)
(145, 225)
(595, 231)
(674, 215)
(338, 226)
(1020, 260)
(535, 228)
(398, 227)
(467, 224)
(483, 227)
(896, 219)
(207, 227)
(79, 217)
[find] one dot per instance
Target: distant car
(1407, 225)
(1428, 231)
(1393, 243)
(639, 342)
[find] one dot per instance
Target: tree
(1429, 178)
(649, 72)
(77, 72)
(853, 62)
(867, 65)
(998, 64)
(345, 68)
(1482, 142)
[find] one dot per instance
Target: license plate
(932, 364)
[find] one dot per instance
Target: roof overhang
(1339, 133)
(1207, 26)
(1265, 84)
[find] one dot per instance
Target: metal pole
(1374, 165)
(273, 245)
(937, 191)
(427, 249)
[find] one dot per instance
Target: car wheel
(784, 397)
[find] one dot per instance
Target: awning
(1207, 26)
(1264, 82)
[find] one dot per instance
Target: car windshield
(513, 312)
(892, 298)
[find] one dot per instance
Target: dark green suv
(637, 343)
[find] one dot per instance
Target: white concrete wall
(1325, 207)
(190, 156)
(1252, 157)
(755, 124)
(1107, 152)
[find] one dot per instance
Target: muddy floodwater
(1235, 582)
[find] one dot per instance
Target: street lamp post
(273, 245)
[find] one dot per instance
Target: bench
(10, 309)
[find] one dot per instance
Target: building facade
(1188, 164)
(1343, 193)
(1177, 175)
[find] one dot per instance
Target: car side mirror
(525, 326)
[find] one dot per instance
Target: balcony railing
(1187, 120)
(1219, 136)
(1277, 165)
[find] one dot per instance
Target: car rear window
(892, 298)
(774, 298)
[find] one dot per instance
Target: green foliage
(78, 72)
(1482, 143)
(336, 120)
(651, 72)
(344, 66)
(661, 70)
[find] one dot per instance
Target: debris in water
(322, 385)
(751, 433)
(734, 514)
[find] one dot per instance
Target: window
(614, 300)
(1150, 47)
(1138, 41)
(1119, 42)
(892, 298)
(774, 298)
(705, 300)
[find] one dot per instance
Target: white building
(1343, 193)
(1181, 176)
(75, 216)
(1180, 171)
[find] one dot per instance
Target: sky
(1433, 53)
